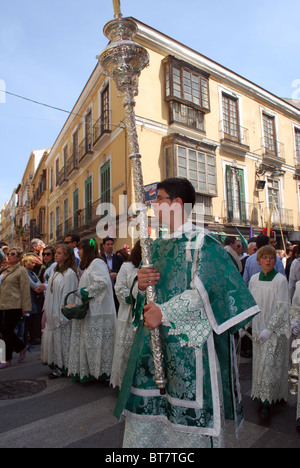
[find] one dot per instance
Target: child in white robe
(56, 335)
(271, 333)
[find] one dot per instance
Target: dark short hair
(75, 237)
(107, 239)
(262, 240)
(229, 240)
(179, 187)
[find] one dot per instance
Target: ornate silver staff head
(123, 60)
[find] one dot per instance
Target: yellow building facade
(236, 142)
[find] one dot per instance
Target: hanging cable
(40, 103)
(49, 106)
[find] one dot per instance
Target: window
(105, 120)
(203, 206)
(57, 172)
(51, 179)
(51, 225)
(269, 134)
(230, 117)
(41, 221)
(75, 209)
(185, 115)
(273, 192)
(57, 220)
(184, 83)
(88, 132)
(235, 187)
(88, 201)
(187, 91)
(199, 168)
(297, 145)
(103, 123)
(66, 215)
(64, 173)
(105, 183)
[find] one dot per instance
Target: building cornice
(164, 44)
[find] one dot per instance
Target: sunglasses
(11, 254)
(47, 254)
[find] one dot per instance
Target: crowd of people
(272, 277)
(211, 300)
(33, 290)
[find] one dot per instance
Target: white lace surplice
(56, 335)
(296, 318)
(271, 357)
(125, 331)
(92, 339)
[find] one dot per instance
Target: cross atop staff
(117, 7)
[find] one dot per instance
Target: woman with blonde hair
(56, 334)
(15, 301)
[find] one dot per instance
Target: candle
(117, 6)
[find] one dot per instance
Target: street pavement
(36, 412)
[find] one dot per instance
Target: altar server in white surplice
(92, 339)
(271, 333)
(125, 330)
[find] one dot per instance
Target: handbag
(74, 311)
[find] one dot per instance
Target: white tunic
(295, 348)
(271, 357)
(92, 339)
(56, 335)
(125, 331)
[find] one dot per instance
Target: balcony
(83, 222)
(59, 233)
(62, 176)
(281, 218)
(73, 161)
(240, 213)
(272, 151)
(85, 147)
(101, 127)
(234, 139)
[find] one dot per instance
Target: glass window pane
(182, 172)
(181, 162)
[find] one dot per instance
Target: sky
(48, 51)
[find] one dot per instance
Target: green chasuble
(204, 301)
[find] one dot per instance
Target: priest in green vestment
(202, 301)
